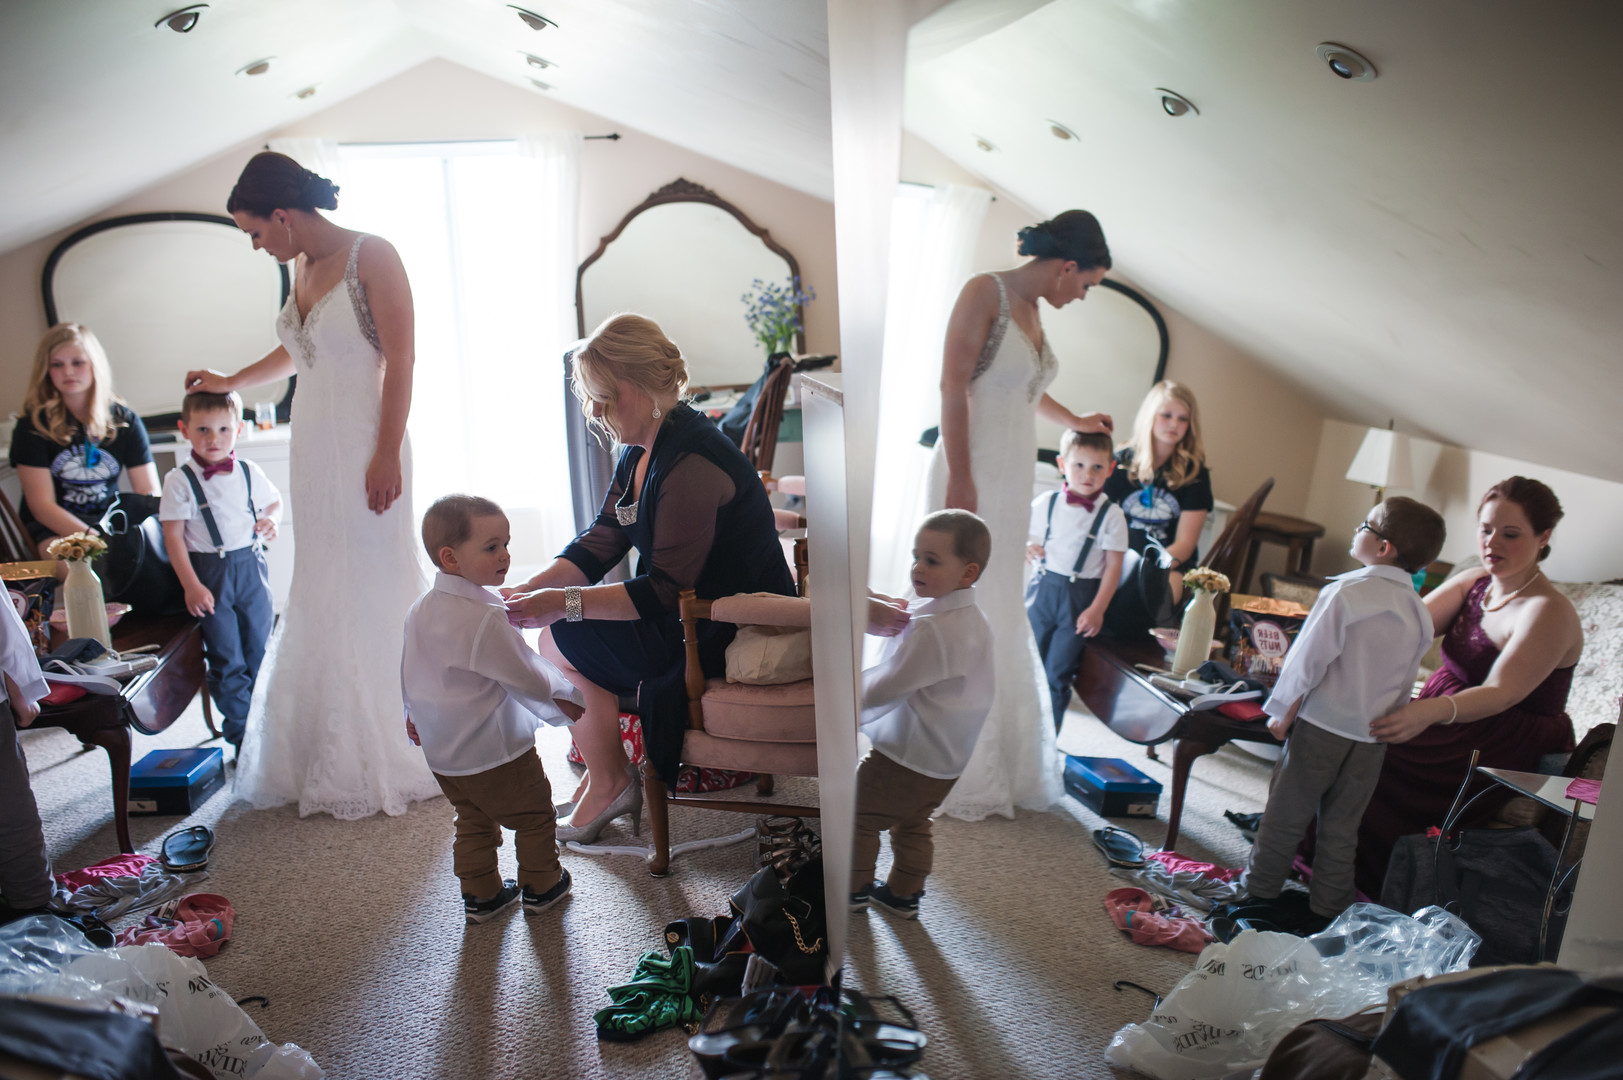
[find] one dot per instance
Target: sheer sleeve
(604, 543)
(684, 532)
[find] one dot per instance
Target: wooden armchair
(761, 729)
(1228, 553)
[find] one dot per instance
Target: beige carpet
(354, 929)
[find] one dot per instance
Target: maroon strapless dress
(1420, 778)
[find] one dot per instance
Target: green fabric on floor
(659, 996)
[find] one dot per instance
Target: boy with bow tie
(1078, 560)
(217, 510)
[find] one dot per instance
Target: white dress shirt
(1356, 656)
(474, 689)
(227, 494)
(1070, 531)
(17, 657)
(925, 700)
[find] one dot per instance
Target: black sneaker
(479, 911)
(899, 907)
(860, 898)
(536, 903)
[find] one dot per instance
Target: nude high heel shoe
(628, 801)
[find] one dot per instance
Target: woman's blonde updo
(632, 348)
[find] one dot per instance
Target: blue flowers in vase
(772, 312)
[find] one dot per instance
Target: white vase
(1195, 637)
(87, 611)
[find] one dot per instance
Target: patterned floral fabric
(692, 780)
(1597, 684)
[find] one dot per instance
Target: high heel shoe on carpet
(628, 801)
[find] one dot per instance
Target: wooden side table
(1294, 534)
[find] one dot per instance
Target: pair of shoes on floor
(786, 844)
(187, 850)
(879, 895)
(1119, 847)
(479, 911)
(628, 801)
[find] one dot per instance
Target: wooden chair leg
(1184, 753)
(208, 714)
(116, 741)
(764, 784)
(659, 820)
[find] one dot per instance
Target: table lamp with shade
(1383, 460)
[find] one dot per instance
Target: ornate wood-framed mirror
(685, 257)
(167, 292)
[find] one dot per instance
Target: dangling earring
(657, 413)
(289, 230)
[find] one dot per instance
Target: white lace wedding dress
(1015, 763)
(326, 726)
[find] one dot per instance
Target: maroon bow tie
(1074, 499)
(218, 467)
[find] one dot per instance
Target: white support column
(1594, 937)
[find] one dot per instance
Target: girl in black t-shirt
(74, 438)
(1161, 481)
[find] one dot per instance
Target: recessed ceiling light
(307, 92)
(1344, 63)
(984, 145)
(1174, 103)
(536, 61)
(531, 19)
(1060, 131)
(258, 67)
(182, 21)
(539, 85)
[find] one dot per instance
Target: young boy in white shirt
(1354, 660)
(25, 865)
(474, 691)
(217, 511)
(1079, 559)
(923, 705)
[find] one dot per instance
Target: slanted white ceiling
(95, 102)
(1443, 245)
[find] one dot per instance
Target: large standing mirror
(685, 257)
(1112, 347)
(166, 293)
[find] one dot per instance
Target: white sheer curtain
(933, 234)
(488, 235)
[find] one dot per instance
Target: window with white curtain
(487, 233)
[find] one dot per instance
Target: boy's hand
(1090, 622)
(887, 616)
(23, 710)
(568, 708)
(1280, 726)
(199, 601)
(1034, 552)
(265, 528)
(411, 733)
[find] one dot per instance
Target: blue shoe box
(175, 781)
(1110, 787)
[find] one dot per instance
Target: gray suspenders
(1087, 545)
(248, 480)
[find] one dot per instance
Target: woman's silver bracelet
(573, 611)
(1455, 706)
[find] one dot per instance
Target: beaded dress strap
(357, 295)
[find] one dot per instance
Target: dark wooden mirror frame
(157, 421)
(1160, 324)
(677, 191)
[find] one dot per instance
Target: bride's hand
(1095, 422)
(531, 611)
(383, 482)
(208, 381)
(960, 493)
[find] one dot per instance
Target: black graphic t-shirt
(1153, 511)
(84, 474)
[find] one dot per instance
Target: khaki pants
(895, 798)
(514, 796)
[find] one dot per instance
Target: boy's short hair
(200, 402)
(1086, 440)
(449, 522)
(1413, 528)
(971, 539)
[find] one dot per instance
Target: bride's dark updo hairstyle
(1074, 235)
(1537, 501)
(272, 181)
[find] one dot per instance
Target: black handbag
(136, 569)
(1143, 600)
(786, 922)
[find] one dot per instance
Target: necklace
(1508, 597)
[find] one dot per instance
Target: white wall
(1452, 479)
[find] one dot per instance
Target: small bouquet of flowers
(772, 312)
(77, 547)
(1204, 580)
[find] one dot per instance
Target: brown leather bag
(1325, 1050)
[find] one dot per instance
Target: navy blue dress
(702, 521)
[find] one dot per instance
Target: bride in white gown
(995, 375)
(326, 728)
